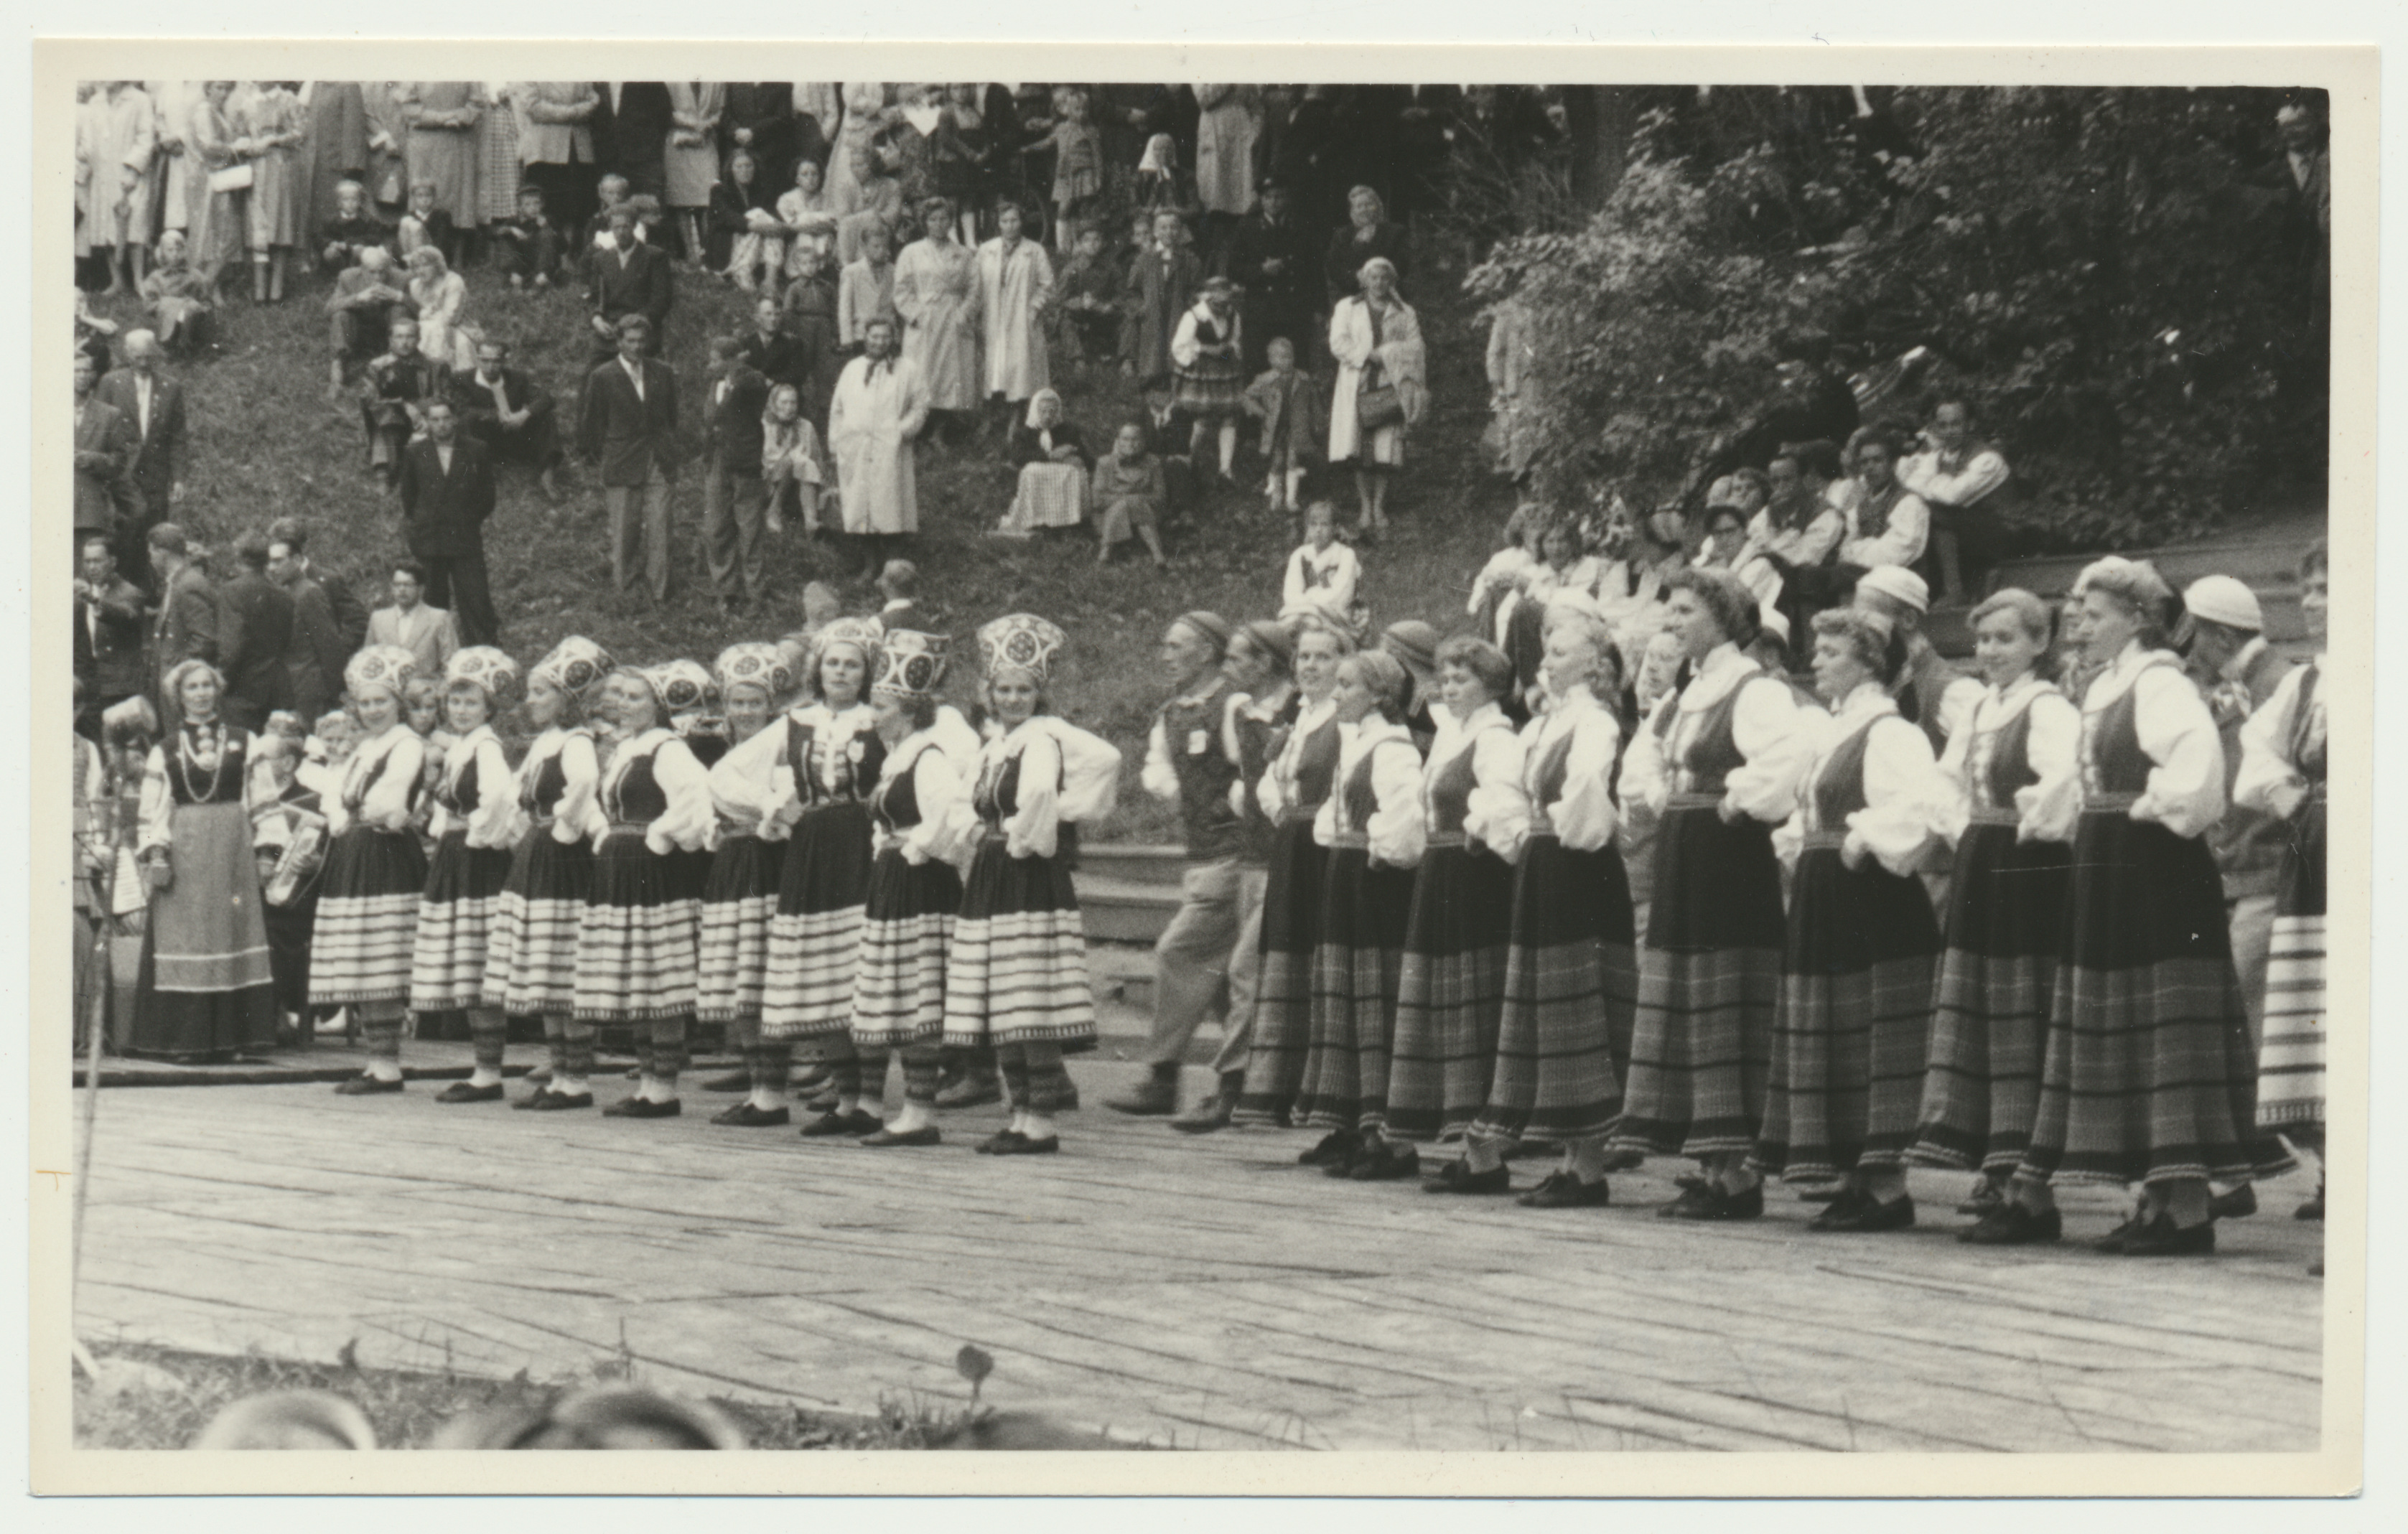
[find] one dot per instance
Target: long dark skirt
(1452, 994)
(739, 897)
(1358, 965)
(531, 951)
(1990, 1020)
(1572, 984)
(1283, 995)
(367, 918)
(1018, 972)
(815, 938)
(448, 967)
(907, 934)
(204, 987)
(2291, 1061)
(2148, 1075)
(637, 941)
(1709, 980)
(1851, 1033)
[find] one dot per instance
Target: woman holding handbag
(1381, 387)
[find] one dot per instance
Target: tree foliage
(2122, 283)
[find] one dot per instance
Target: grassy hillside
(266, 443)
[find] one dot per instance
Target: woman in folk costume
(2013, 770)
(1849, 1032)
(1208, 370)
(2147, 1076)
(475, 826)
(531, 951)
(2282, 774)
(915, 894)
(636, 939)
(1451, 995)
(739, 895)
(1571, 972)
(1291, 795)
(823, 759)
(1371, 827)
(1716, 765)
(368, 914)
(205, 988)
(1017, 980)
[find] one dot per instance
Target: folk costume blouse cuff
(1034, 829)
(2268, 775)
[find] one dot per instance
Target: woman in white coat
(1013, 299)
(1377, 339)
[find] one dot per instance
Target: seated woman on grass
(1128, 497)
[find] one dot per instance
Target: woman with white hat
(636, 939)
(367, 916)
(531, 952)
(476, 814)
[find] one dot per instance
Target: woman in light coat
(1377, 339)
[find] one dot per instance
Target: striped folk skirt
(816, 935)
(367, 918)
(1572, 982)
(2291, 1061)
(1990, 1020)
(206, 986)
(531, 950)
(1358, 965)
(1852, 1031)
(1283, 991)
(1709, 982)
(448, 970)
(1452, 994)
(739, 896)
(907, 933)
(2147, 1076)
(1018, 973)
(637, 937)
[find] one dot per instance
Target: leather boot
(1213, 1112)
(1156, 1096)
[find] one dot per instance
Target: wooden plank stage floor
(1204, 1293)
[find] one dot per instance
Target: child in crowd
(352, 230)
(1128, 497)
(424, 223)
(1078, 162)
(748, 243)
(1325, 577)
(810, 311)
(1501, 576)
(809, 215)
(527, 247)
(1090, 286)
(1288, 404)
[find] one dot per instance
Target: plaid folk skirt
(1989, 1018)
(531, 949)
(1018, 971)
(2291, 1061)
(1572, 982)
(1851, 1029)
(1709, 980)
(449, 968)
(815, 938)
(1452, 992)
(637, 940)
(739, 897)
(367, 918)
(907, 933)
(1357, 965)
(2147, 1075)
(1284, 993)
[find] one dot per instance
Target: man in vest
(1932, 693)
(1191, 759)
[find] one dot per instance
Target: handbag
(1377, 402)
(234, 177)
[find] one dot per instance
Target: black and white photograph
(1156, 764)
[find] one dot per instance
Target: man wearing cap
(1271, 261)
(1930, 692)
(2237, 672)
(1192, 759)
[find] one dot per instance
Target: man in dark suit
(769, 351)
(447, 493)
(255, 629)
(350, 613)
(505, 412)
(313, 661)
(187, 625)
(104, 446)
(154, 404)
(1272, 258)
(628, 428)
(108, 633)
(732, 500)
(627, 276)
(394, 394)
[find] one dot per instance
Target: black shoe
(2313, 1209)
(734, 1081)
(1458, 1177)
(926, 1135)
(1693, 1182)
(745, 1116)
(2113, 1243)
(2237, 1204)
(994, 1144)
(1563, 1190)
(1386, 1161)
(1338, 1145)
(1868, 1215)
(1985, 1199)
(1843, 1204)
(1023, 1145)
(463, 1092)
(822, 1101)
(2012, 1224)
(2162, 1237)
(1716, 1204)
(549, 1101)
(643, 1107)
(366, 1087)
(855, 1124)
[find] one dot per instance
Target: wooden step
(1138, 863)
(1123, 911)
(2267, 566)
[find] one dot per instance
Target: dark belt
(2110, 804)
(1694, 802)
(1991, 815)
